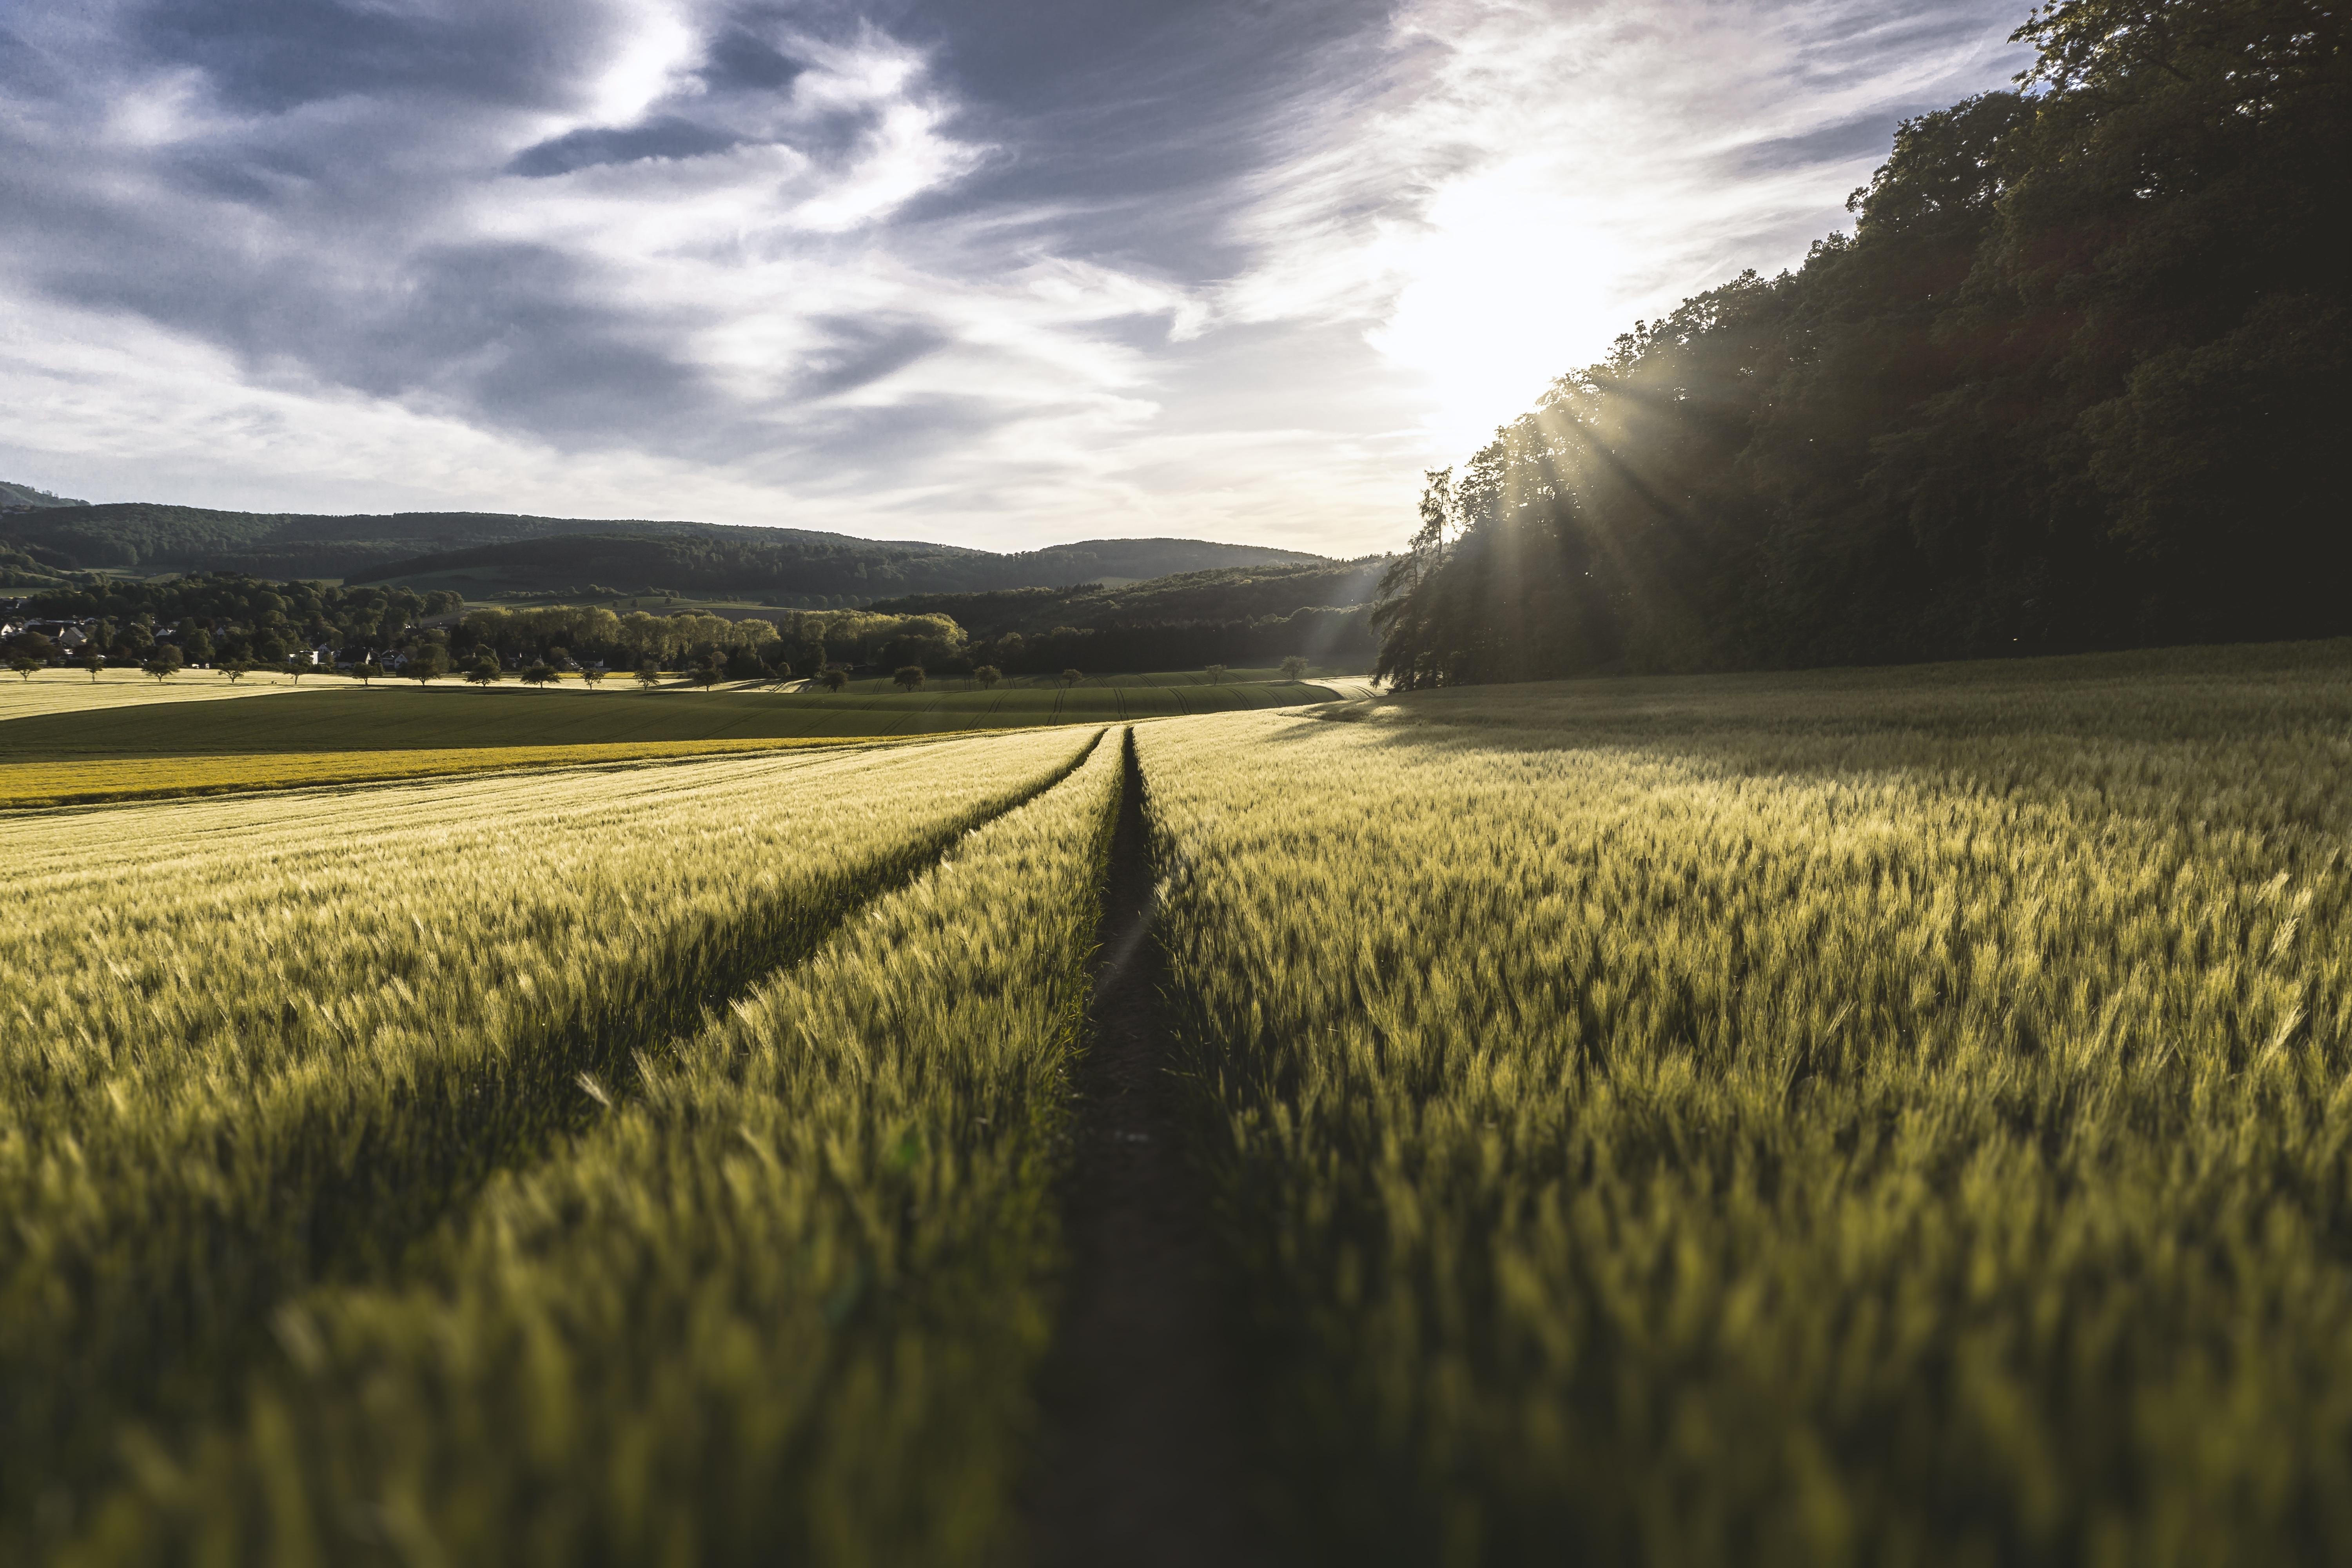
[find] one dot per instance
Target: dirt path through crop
(1147, 1461)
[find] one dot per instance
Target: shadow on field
(1147, 1463)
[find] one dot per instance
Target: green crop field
(60, 691)
(342, 717)
(1853, 1118)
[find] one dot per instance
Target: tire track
(1147, 1461)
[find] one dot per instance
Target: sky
(1003, 273)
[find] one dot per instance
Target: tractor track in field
(1146, 1454)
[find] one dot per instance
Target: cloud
(1002, 272)
(1517, 180)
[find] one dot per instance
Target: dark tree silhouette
(908, 677)
(2056, 392)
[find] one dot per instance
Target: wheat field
(28, 785)
(46, 691)
(261, 1042)
(1869, 1117)
(1889, 1118)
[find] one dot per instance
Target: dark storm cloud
(666, 137)
(862, 351)
(271, 56)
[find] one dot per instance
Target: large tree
(2070, 384)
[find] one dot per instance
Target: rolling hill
(486, 552)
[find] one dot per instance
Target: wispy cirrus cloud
(997, 273)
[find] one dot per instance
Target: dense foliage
(2074, 381)
(1249, 615)
(239, 617)
(1229, 593)
(806, 640)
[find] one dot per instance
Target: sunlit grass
(70, 690)
(64, 784)
(781, 1302)
(1856, 1118)
(258, 1043)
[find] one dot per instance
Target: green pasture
(389, 717)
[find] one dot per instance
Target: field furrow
(779, 1303)
(261, 1042)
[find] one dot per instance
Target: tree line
(2073, 382)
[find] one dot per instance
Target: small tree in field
(835, 678)
(591, 678)
(485, 673)
(235, 670)
(649, 675)
(1293, 668)
(94, 661)
(1216, 675)
(987, 674)
(25, 666)
(780, 672)
(908, 676)
(297, 667)
(428, 663)
(1071, 677)
(708, 673)
(366, 670)
(540, 675)
(164, 665)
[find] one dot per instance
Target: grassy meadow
(1859, 1117)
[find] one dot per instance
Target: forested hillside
(24, 498)
(496, 552)
(701, 558)
(2076, 380)
(1241, 615)
(1238, 593)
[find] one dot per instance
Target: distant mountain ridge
(24, 498)
(494, 550)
